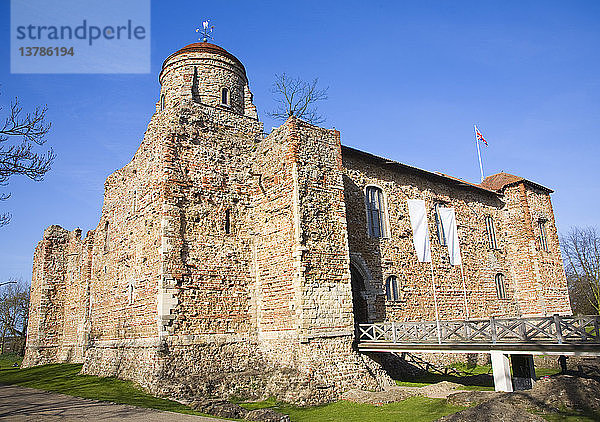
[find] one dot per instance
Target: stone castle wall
(539, 274)
(208, 199)
(216, 249)
(58, 323)
(126, 254)
(249, 309)
(380, 258)
(534, 278)
(275, 256)
(326, 292)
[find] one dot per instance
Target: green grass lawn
(8, 360)
(65, 378)
(414, 409)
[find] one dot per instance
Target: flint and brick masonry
(230, 262)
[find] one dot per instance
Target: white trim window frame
(376, 207)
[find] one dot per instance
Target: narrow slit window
(491, 232)
(391, 288)
(375, 212)
(225, 96)
(500, 286)
(162, 102)
(134, 202)
(227, 222)
(542, 236)
(106, 237)
(131, 292)
(438, 225)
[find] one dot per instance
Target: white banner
(448, 218)
(418, 221)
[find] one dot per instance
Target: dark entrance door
(359, 304)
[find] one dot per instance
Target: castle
(230, 262)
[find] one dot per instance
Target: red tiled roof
(501, 180)
(208, 48)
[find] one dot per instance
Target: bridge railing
(554, 329)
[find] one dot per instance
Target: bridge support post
(501, 369)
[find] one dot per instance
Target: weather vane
(205, 31)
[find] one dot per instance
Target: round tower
(207, 74)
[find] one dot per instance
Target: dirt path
(28, 404)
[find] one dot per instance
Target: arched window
(376, 220)
(225, 96)
(391, 288)
(491, 232)
(500, 286)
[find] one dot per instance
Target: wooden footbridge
(501, 337)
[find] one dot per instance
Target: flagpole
(464, 286)
(437, 315)
(478, 152)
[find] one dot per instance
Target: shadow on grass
(482, 382)
(480, 378)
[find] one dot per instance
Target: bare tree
(18, 135)
(296, 97)
(14, 313)
(581, 255)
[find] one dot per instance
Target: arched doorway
(359, 303)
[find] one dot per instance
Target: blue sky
(406, 80)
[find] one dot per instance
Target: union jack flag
(479, 136)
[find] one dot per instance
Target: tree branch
(296, 97)
(18, 134)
